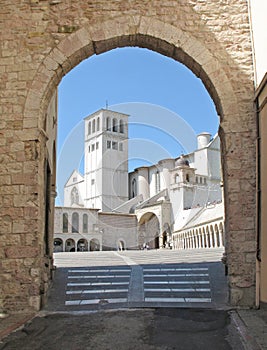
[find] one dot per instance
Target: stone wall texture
(40, 42)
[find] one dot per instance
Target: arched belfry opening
(212, 58)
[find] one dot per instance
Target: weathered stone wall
(261, 102)
(116, 228)
(41, 40)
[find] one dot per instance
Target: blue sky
(167, 104)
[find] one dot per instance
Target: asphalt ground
(144, 329)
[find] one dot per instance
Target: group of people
(145, 246)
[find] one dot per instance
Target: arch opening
(223, 95)
(58, 245)
(94, 245)
(148, 231)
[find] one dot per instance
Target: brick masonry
(41, 41)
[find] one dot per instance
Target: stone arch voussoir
(129, 31)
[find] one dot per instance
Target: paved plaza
(134, 279)
(131, 300)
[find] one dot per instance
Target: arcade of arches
(203, 236)
(41, 41)
(78, 245)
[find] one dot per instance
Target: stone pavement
(149, 326)
(255, 326)
(135, 279)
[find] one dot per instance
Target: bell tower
(106, 160)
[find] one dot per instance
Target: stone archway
(82, 245)
(121, 245)
(94, 245)
(148, 231)
(58, 245)
(183, 32)
(70, 245)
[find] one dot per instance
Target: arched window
(65, 223)
(98, 124)
(134, 190)
(187, 178)
(75, 223)
(108, 123)
(93, 126)
(121, 127)
(114, 125)
(89, 128)
(157, 181)
(85, 223)
(74, 196)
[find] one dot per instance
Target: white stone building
(73, 190)
(106, 157)
(83, 229)
(159, 205)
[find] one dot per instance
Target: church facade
(108, 208)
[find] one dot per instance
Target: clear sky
(168, 106)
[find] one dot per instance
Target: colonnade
(203, 236)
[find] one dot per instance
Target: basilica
(174, 204)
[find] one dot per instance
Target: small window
(187, 178)
(65, 222)
(114, 145)
(85, 223)
(93, 147)
(89, 149)
(92, 181)
(205, 181)
(97, 145)
(121, 127)
(108, 144)
(157, 181)
(176, 178)
(93, 126)
(75, 223)
(74, 179)
(134, 191)
(120, 146)
(114, 125)
(197, 180)
(98, 124)
(200, 180)
(89, 128)
(108, 123)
